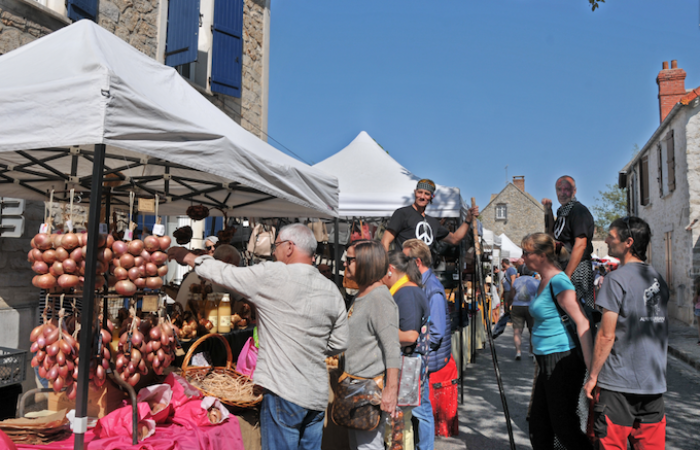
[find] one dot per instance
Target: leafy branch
(595, 4)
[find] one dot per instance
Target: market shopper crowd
(399, 318)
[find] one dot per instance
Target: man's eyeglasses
(274, 245)
(626, 219)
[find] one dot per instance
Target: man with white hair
(301, 320)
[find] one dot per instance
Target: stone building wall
(22, 21)
(524, 215)
(250, 111)
(134, 21)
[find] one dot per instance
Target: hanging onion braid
(197, 212)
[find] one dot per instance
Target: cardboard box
(100, 403)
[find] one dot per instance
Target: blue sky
(457, 90)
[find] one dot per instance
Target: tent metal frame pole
(336, 251)
(460, 310)
(88, 309)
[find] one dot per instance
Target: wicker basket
(197, 374)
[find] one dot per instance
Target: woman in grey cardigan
(373, 320)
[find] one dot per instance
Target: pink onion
(83, 237)
(69, 266)
(121, 273)
(139, 261)
(61, 254)
(146, 256)
(125, 288)
(162, 271)
(70, 241)
(159, 258)
(151, 243)
(119, 248)
(151, 270)
(134, 273)
(135, 247)
(67, 281)
(164, 242)
(40, 267)
(57, 269)
(77, 254)
(140, 283)
(126, 261)
(46, 281)
(43, 241)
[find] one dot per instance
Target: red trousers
(443, 398)
(638, 419)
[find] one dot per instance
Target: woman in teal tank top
(561, 371)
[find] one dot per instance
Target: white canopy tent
(81, 104)
(373, 184)
(491, 239)
(82, 86)
(508, 246)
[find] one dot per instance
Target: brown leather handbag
(357, 402)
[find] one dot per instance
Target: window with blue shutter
(82, 9)
(183, 32)
(213, 225)
(227, 48)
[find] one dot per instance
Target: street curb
(685, 357)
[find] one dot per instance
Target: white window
(501, 212)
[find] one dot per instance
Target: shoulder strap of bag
(566, 320)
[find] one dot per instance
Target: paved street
(482, 424)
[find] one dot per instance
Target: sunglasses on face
(209, 248)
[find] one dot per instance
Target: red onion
(126, 261)
(154, 283)
(56, 240)
(162, 271)
(159, 258)
(139, 261)
(56, 269)
(40, 267)
(140, 283)
(83, 237)
(77, 254)
(30, 256)
(119, 248)
(134, 273)
(151, 270)
(49, 256)
(62, 254)
(67, 281)
(121, 273)
(38, 254)
(125, 288)
(135, 247)
(110, 241)
(146, 256)
(164, 242)
(70, 241)
(104, 255)
(42, 241)
(151, 243)
(101, 240)
(69, 266)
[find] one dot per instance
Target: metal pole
(336, 252)
(480, 280)
(458, 300)
(86, 334)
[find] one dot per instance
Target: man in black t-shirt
(574, 227)
(411, 222)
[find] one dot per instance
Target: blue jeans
(423, 415)
(286, 425)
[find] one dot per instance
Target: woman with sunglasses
(561, 372)
(404, 281)
(373, 320)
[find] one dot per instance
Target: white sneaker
(517, 356)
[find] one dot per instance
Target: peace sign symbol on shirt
(424, 232)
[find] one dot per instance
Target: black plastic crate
(13, 366)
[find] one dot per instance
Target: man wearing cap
(411, 222)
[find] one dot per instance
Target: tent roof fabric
(80, 86)
(373, 184)
(509, 246)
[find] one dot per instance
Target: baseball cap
(213, 239)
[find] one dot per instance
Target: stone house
(663, 188)
(514, 212)
(220, 46)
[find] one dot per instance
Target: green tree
(611, 205)
(595, 4)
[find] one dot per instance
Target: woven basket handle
(190, 352)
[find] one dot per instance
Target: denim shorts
(697, 312)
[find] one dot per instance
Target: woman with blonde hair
(561, 371)
(373, 320)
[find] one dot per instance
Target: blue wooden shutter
(227, 48)
(183, 32)
(82, 9)
(218, 223)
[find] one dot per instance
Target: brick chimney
(671, 87)
(519, 182)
